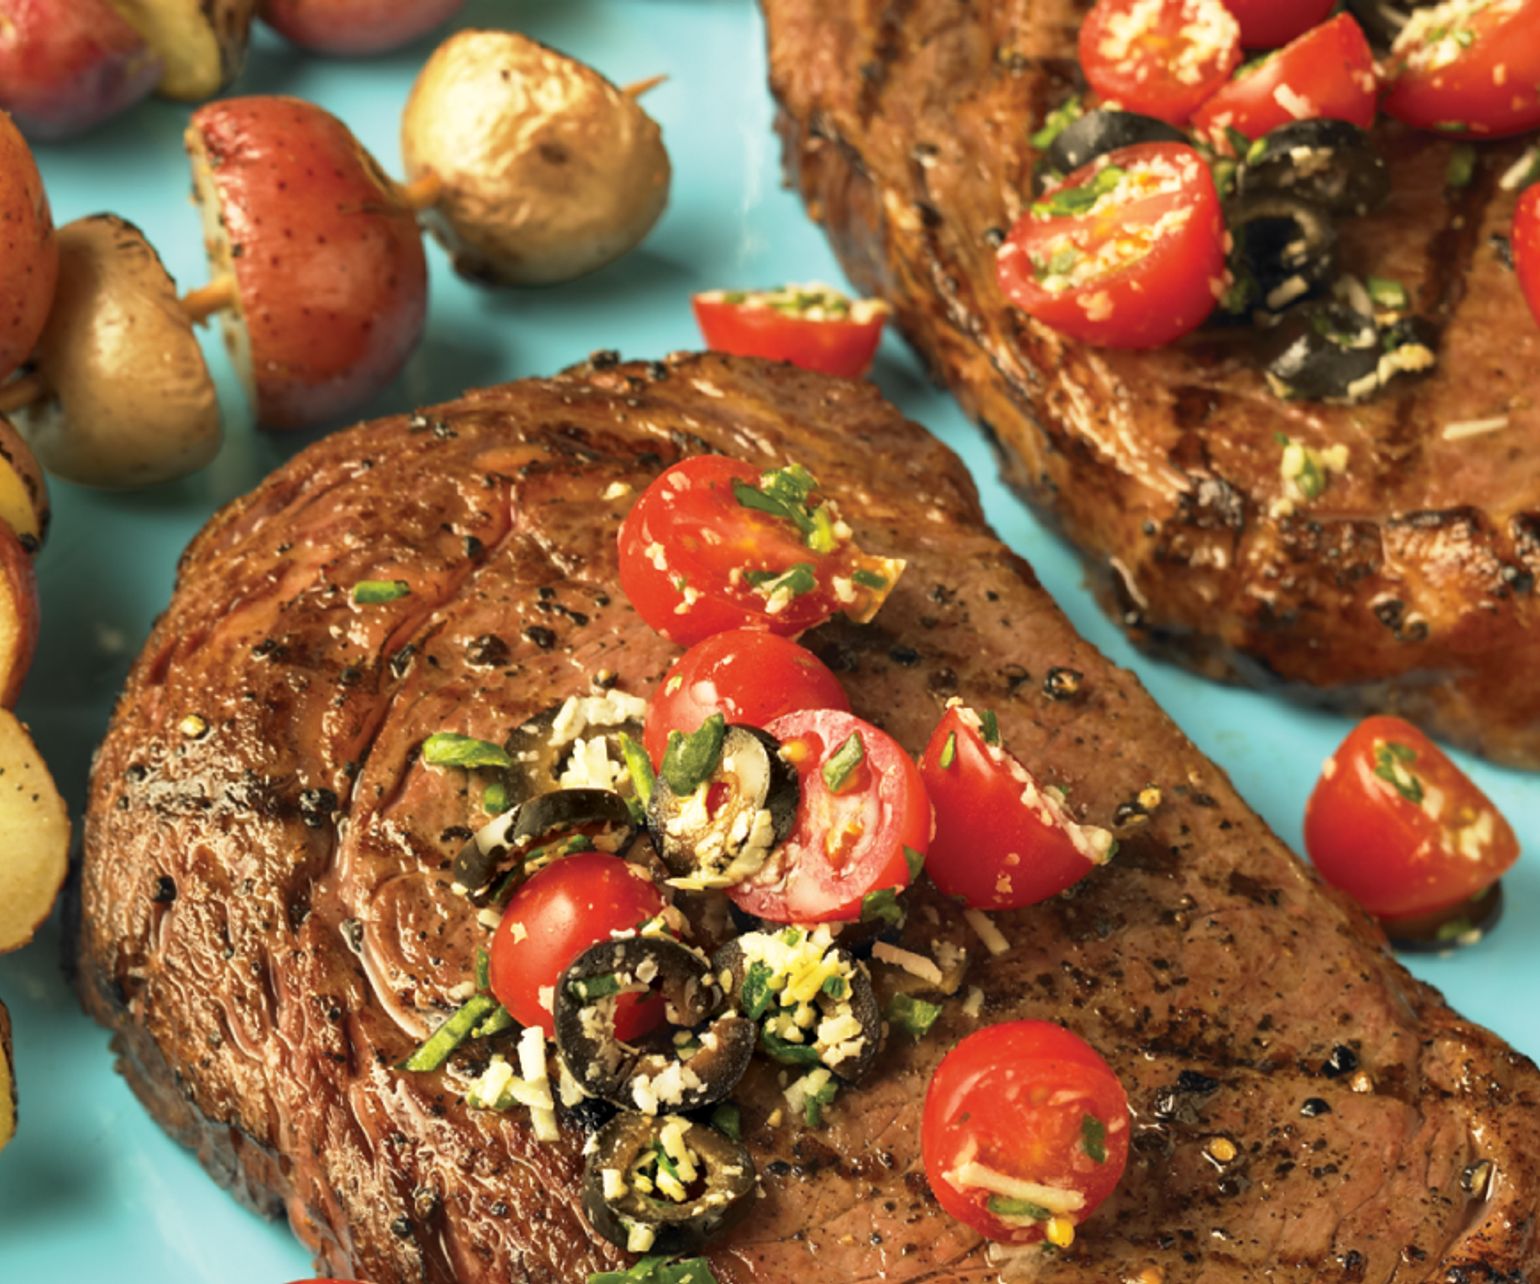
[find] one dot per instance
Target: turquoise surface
(91, 1190)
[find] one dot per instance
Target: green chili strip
(843, 762)
(370, 592)
(912, 1015)
(882, 906)
(451, 749)
(690, 759)
(639, 765)
(450, 1035)
(1093, 1136)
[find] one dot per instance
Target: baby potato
(29, 252)
(130, 399)
(355, 28)
(548, 170)
(7, 1081)
(201, 42)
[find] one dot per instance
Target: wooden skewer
(423, 192)
(639, 87)
(21, 392)
(216, 296)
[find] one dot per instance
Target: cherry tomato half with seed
(713, 544)
(1526, 247)
(561, 911)
(1159, 58)
(1127, 252)
(1468, 67)
(1401, 829)
(1328, 73)
(749, 677)
(863, 822)
(1267, 24)
(1025, 1132)
(810, 326)
(1002, 840)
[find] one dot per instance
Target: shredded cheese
(993, 939)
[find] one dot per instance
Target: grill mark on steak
(915, 181)
(1203, 953)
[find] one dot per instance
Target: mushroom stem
(423, 192)
(20, 393)
(216, 296)
(639, 87)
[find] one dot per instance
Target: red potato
(34, 838)
(23, 489)
(68, 65)
(29, 254)
(18, 641)
(331, 284)
(354, 28)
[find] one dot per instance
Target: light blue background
(91, 1190)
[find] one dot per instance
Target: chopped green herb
(794, 582)
(1068, 202)
(990, 725)
(690, 759)
(912, 1015)
(1256, 151)
(1462, 166)
(821, 538)
(590, 988)
(369, 592)
(752, 497)
(812, 1106)
(1387, 293)
(727, 1119)
(788, 1054)
(787, 492)
(843, 762)
(756, 990)
(915, 860)
(494, 798)
(449, 1036)
(1059, 119)
(869, 579)
(1312, 479)
(483, 970)
(836, 987)
(1093, 1137)
(499, 1021)
(949, 751)
(882, 906)
(1000, 1206)
(450, 749)
(659, 1270)
(643, 780)
(1392, 764)
(664, 1163)
(1239, 143)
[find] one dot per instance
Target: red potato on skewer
(68, 65)
(29, 255)
(354, 28)
(123, 396)
(327, 280)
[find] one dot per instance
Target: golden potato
(131, 400)
(7, 1081)
(34, 836)
(548, 170)
(201, 42)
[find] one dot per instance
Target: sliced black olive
(632, 1149)
(1322, 352)
(757, 999)
(679, 1072)
(1329, 163)
(541, 746)
(1284, 248)
(1449, 929)
(724, 830)
(1095, 134)
(602, 819)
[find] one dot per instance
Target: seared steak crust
(1409, 586)
(268, 923)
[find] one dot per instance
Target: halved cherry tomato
(1159, 57)
(856, 832)
(810, 326)
(1002, 839)
(1526, 247)
(1401, 829)
(1025, 1132)
(1468, 67)
(1267, 24)
(747, 676)
(1328, 73)
(1127, 252)
(562, 910)
(714, 544)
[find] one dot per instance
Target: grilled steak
(269, 924)
(1408, 586)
